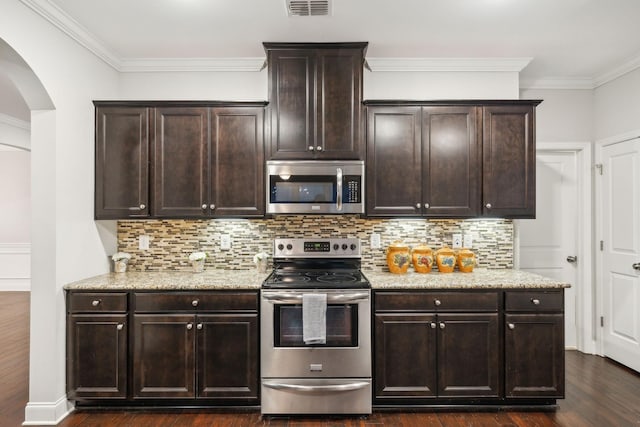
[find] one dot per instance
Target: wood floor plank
(599, 393)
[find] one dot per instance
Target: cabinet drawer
(98, 302)
(538, 300)
(436, 301)
(196, 301)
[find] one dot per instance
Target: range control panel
(317, 248)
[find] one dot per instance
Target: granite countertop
(478, 279)
(173, 280)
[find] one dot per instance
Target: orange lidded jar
(422, 258)
(398, 258)
(446, 259)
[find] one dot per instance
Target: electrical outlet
(375, 241)
(468, 241)
(457, 241)
(225, 242)
(143, 242)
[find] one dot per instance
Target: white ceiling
(571, 43)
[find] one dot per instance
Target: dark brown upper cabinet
(423, 160)
(509, 160)
(315, 100)
(121, 162)
(208, 162)
(451, 159)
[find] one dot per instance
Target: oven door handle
(316, 388)
(296, 298)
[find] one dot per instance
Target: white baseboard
(47, 413)
(15, 266)
(14, 285)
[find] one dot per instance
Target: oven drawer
(316, 396)
(436, 301)
(152, 302)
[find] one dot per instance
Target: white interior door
(620, 227)
(545, 243)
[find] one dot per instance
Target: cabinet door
(228, 354)
(451, 165)
(509, 161)
(237, 162)
(122, 162)
(534, 355)
(339, 104)
(469, 362)
(163, 356)
(181, 162)
(404, 356)
(292, 103)
(394, 161)
(97, 356)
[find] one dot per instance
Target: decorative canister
(466, 260)
(398, 257)
(422, 258)
(446, 259)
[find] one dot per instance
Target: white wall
(563, 115)
(617, 106)
(66, 245)
(15, 226)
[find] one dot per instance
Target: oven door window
(303, 189)
(342, 326)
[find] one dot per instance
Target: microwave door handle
(339, 190)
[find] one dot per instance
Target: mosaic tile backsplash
(171, 241)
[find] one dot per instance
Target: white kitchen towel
(314, 318)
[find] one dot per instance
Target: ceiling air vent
(307, 7)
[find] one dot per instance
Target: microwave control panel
(351, 189)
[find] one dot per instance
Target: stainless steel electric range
(316, 329)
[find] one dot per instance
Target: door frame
(599, 283)
(585, 318)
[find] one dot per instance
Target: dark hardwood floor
(599, 393)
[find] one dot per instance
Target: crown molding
(142, 65)
(627, 67)
(73, 29)
(12, 121)
(558, 83)
(448, 64)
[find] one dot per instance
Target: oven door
(347, 352)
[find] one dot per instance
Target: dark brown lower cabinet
(97, 356)
(427, 356)
(534, 355)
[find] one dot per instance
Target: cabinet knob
(199, 326)
(426, 205)
(535, 301)
(511, 325)
(212, 206)
(120, 326)
(204, 206)
(189, 326)
(488, 206)
(442, 325)
(433, 325)
(142, 206)
(636, 266)
(418, 205)
(311, 148)
(437, 302)
(95, 302)
(318, 148)
(194, 303)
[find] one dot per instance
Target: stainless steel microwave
(315, 187)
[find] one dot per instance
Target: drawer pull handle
(120, 326)
(535, 301)
(437, 302)
(511, 326)
(204, 206)
(488, 206)
(418, 205)
(442, 325)
(199, 326)
(433, 325)
(189, 326)
(311, 148)
(95, 302)
(194, 303)
(142, 206)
